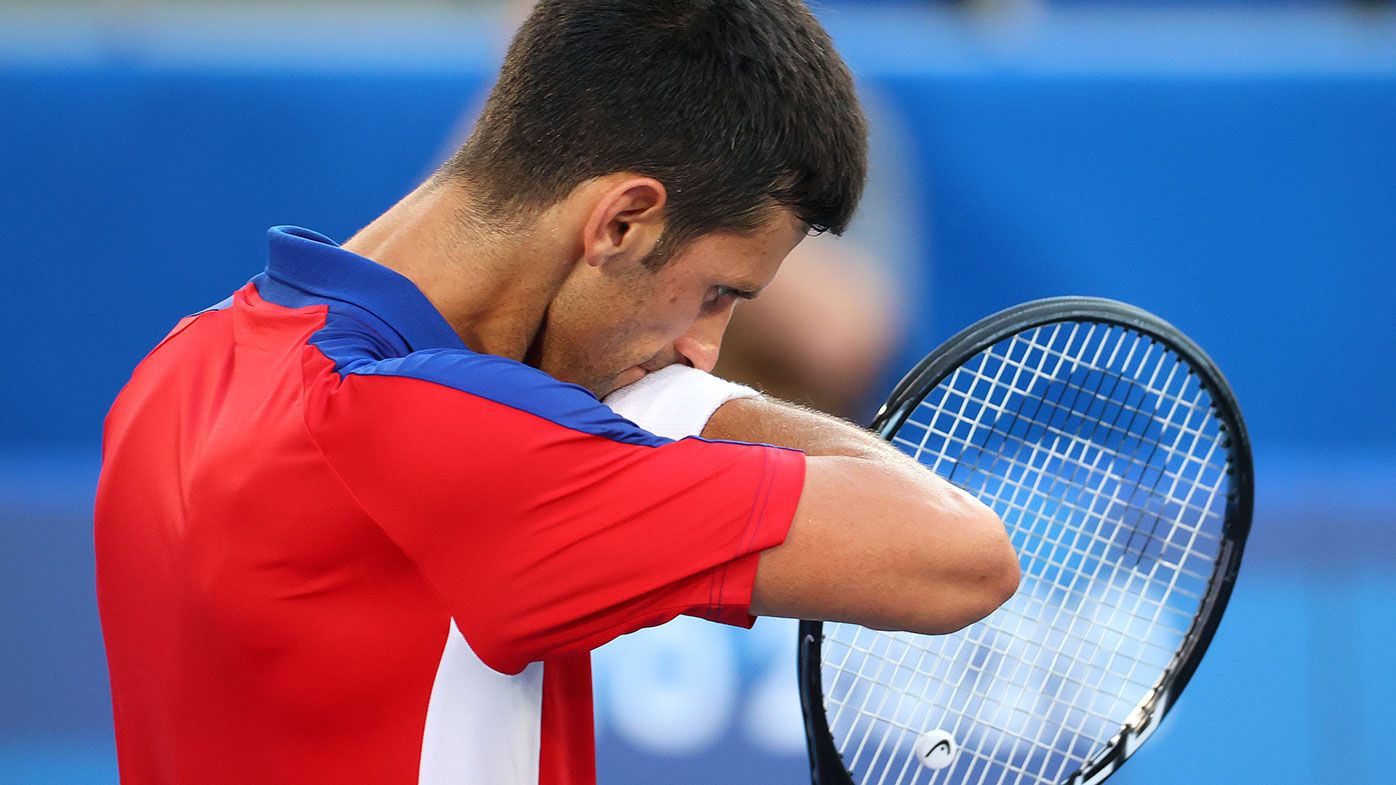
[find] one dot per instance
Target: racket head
(828, 766)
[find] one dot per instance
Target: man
(365, 520)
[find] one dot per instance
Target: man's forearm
(770, 421)
(677, 400)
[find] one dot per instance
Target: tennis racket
(1115, 454)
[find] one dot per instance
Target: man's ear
(625, 222)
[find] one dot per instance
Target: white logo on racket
(935, 749)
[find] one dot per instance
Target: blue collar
(319, 267)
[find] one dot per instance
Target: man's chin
(625, 378)
(606, 385)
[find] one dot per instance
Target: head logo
(935, 749)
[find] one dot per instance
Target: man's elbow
(1000, 579)
(989, 578)
(1006, 573)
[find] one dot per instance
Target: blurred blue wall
(1235, 173)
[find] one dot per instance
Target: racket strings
(1094, 469)
(966, 441)
(1100, 451)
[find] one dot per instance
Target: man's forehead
(759, 252)
(777, 239)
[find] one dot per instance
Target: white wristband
(676, 401)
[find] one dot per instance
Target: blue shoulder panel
(380, 324)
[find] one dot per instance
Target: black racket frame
(826, 765)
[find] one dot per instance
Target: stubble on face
(589, 338)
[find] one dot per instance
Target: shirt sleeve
(546, 523)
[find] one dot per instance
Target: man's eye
(719, 295)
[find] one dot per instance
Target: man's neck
(494, 292)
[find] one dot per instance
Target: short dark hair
(737, 106)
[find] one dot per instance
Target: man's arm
(877, 539)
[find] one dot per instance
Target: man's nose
(701, 344)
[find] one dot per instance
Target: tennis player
(363, 521)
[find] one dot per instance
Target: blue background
(1233, 172)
